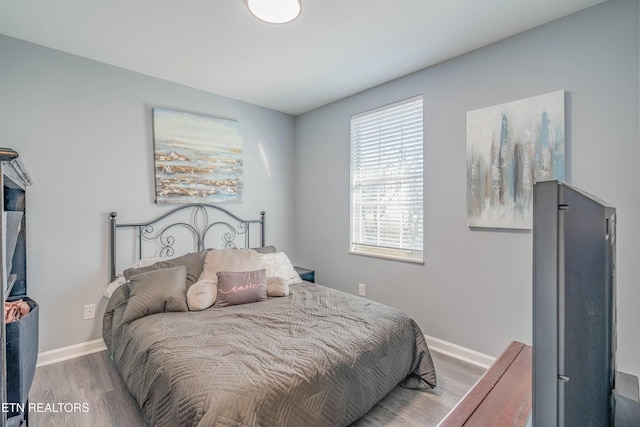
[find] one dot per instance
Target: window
(387, 181)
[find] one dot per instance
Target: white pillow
(120, 280)
(278, 265)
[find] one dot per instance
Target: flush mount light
(274, 11)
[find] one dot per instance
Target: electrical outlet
(361, 289)
(89, 311)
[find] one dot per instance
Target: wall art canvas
(510, 147)
(197, 158)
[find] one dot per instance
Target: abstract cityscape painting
(510, 147)
(197, 158)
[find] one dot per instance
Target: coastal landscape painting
(198, 159)
(510, 147)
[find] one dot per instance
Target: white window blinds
(387, 181)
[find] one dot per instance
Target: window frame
(412, 253)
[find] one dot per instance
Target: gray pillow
(241, 287)
(193, 262)
(265, 250)
(156, 291)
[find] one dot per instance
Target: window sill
(387, 256)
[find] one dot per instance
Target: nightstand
(306, 274)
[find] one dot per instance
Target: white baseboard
(436, 344)
(459, 352)
(70, 352)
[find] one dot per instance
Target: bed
(313, 357)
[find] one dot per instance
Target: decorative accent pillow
(278, 264)
(193, 262)
(277, 287)
(120, 279)
(156, 291)
(202, 295)
(233, 260)
(241, 287)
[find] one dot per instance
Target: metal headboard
(199, 225)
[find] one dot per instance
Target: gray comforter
(318, 357)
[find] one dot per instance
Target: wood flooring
(92, 382)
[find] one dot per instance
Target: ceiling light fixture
(275, 11)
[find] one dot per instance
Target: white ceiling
(335, 49)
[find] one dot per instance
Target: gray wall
(84, 131)
(475, 287)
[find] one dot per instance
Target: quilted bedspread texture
(318, 357)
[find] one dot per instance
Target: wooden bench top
(501, 397)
